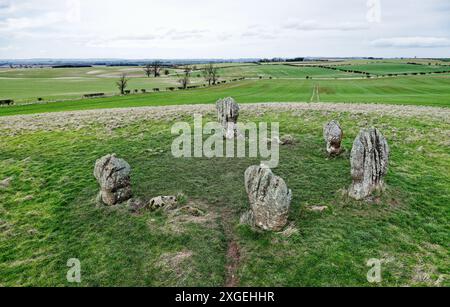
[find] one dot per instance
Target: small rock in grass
(166, 202)
(27, 198)
(317, 208)
(287, 140)
(135, 205)
(191, 211)
(32, 232)
(5, 183)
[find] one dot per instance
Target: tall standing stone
(228, 114)
(369, 163)
(269, 199)
(113, 176)
(333, 134)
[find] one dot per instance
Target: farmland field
(418, 90)
(289, 83)
(282, 71)
(396, 68)
(27, 85)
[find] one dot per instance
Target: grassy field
(282, 71)
(419, 90)
(28, 85)
(395, 68)
(48, 213)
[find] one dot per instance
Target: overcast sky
(223, 29)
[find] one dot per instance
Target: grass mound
(48, 212)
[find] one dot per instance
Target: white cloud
(412, 42)
(69, 13)
(313, 25)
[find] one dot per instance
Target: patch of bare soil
(116, 118)
(233, 250)
(233, 256)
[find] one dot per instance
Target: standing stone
(228, 114)
(113, 175)
(369, 162)
(332, 134)
(269, 199)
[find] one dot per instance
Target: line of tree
(153, 68)
(210, 73)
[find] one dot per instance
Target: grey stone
(135, 205)
(247, 218)
(333, 135)
(162, 202)
(318, 208)
(269, 198)
(6, 182)
(113, 176)
(287, 140)
(227, 115)
(369, 163)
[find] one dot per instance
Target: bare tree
(122, 83)
(210, 73)
(156, 68)
(148, 70)
(185, 80)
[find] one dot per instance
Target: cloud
(411, 42)
(144, 40)
(6, 48)
(312, 25)
(184, 34)
(22, 16)
(23, 23)
(259, 35)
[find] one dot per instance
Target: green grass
(27, 85)
(420, 90)
(395, 68)
(407, 227)
(282, 71)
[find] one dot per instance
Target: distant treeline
(71, 66)
(278, 60)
